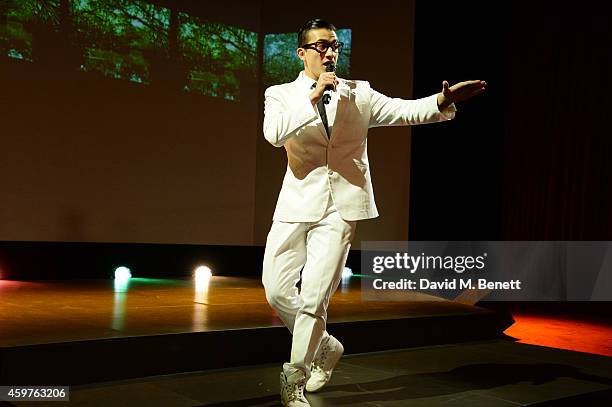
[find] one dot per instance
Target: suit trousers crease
(319, 250)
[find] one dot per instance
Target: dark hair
(312, 25)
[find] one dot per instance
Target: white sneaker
(292, 394)
(324, 363)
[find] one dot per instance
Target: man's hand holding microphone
(327, 81)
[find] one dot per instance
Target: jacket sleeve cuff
(448, 113)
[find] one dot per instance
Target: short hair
(312, 25)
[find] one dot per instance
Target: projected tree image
(281, 63)
(144, 43)
(131, 40)
(121, 39)
(18, 19)
(217, 58)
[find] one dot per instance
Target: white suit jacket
(318, 166)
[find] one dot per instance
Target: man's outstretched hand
(459, 92)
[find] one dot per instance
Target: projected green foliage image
(16, 26)
(120, 39)
(217, 58)
(281, 63)
(141, 42)
(131, 40)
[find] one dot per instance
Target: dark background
(530, 159)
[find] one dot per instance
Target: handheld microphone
(331, 67)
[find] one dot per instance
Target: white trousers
(319, 250)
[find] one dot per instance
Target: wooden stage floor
(36, 312)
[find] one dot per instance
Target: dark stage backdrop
(457, 167)
(529, 160)
(558, 150)
(140, 121)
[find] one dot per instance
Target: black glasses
(323, 46)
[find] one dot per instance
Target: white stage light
(122, 273)
(203, 273)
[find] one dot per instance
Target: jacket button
(330, 172)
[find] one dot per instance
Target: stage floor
(161, 342)
(494, 373)
(38, 312)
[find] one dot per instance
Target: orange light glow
(560, 333)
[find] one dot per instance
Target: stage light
(203, 273)
(202, 280)
(122, 273)
(347, 272)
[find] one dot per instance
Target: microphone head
(331, 67)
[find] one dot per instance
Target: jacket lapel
(299, 88)
(346, 96)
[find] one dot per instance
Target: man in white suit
(326, 190)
